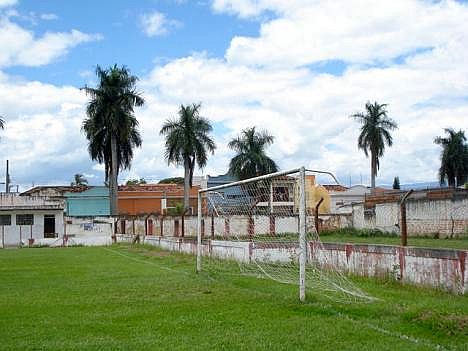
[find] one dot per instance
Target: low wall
(233, 225)
(445, 217)
(446, 269)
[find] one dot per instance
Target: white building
(29, 218)
(342, 200)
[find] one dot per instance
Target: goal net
(267, 226)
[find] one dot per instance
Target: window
(5, 219)
(24, 219)
(281, 193)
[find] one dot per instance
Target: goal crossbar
(250, 180)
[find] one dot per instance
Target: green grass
(141, 298)
(377, 237)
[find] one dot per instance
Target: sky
(297, 68)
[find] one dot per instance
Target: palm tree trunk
(113, 178)
(373, 166)
(186, 183)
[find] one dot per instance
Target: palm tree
(111, 126)
(188, 143)
(375, 133)
(78, 180)
(251, 159)
(454, 158)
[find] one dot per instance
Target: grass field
(141, 298)
(460, 244)
(363, 236)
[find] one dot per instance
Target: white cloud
(157, 24)
(48, 16)
(363, 31)
(21, 47)
(5, 3)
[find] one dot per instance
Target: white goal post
(302, 218)
(267, 225)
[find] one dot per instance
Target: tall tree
(251, 159)
(375, 134)
(136, 181)
(172, 180)
(453, 158)
(79, 179)
(111, 127)
(396, 183)
(188, 143)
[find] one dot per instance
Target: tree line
(111, 129)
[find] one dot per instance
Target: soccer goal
(267, 226)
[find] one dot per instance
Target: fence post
(212, 226)
(199, 241)
(302, 235)
(316, 215)
(403, 226)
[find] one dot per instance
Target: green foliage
(177, 210)
(101, 296)
(364, 233)
(136, 181)
(375, 133)
(453, 158)
(79, 180)
(173, 180)
(377, 237)
(396, 183)
(251, 159)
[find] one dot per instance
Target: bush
(365, 233)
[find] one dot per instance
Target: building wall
(154, 199)
(341, 201)
(91, 202)
(14, 235)
(88, 226)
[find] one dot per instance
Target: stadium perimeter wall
(439, 268)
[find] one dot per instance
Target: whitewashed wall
(14, 235)
(423, 217)
(439, 268)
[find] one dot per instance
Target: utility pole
(7, 180)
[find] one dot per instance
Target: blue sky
(199, 30)
(298, 69)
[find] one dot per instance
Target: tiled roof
(335, 187)
(166, 188)
(58, 188)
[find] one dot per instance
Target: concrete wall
(446, 269)
(445, 217)
(14, 235)
(88, 226)
(234, 226)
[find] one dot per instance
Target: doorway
(49, 226)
